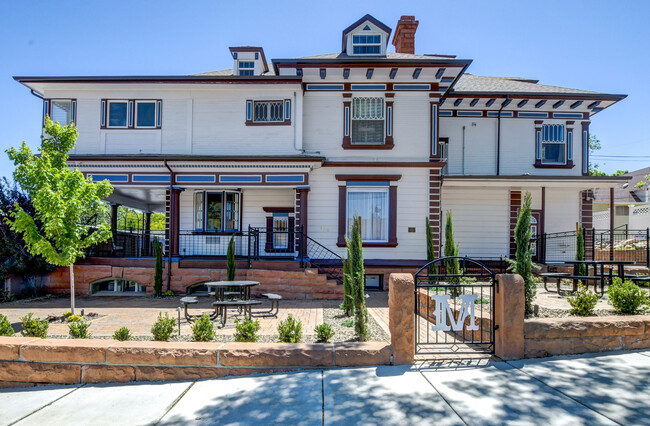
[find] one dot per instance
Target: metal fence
(123, 244)
(620, 244)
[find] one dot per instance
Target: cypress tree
(158, 269)
(523, 264)
(357, 278)
(451, 249)
(230, 260)
(431, 250)
(348, 292)
(580, 250)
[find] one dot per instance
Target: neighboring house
(284, 154)
(631, 203)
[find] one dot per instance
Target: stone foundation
(28, 361)
(564, 336)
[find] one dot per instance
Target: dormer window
(246, 67)
(366, 44)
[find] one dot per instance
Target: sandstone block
(163, 353)
(107, 373)
(557, 328)
(17, 371)
(239, 354)
(151, 374)
(509, 311)
(355, 354)
(536, 348)
(10, 347)
(402, 317)
(63, 350)
(637, 342)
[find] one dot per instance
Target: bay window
(217, 211)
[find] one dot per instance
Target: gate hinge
(496, 326)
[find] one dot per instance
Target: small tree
(230, 259)
(580, 250)
(158, 269)
(62, 198)
(431, 249)
(357, 280)
(451, 249)
(523, 263)
(348, 291)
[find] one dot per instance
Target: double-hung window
(62, 110)
(246, 67)
(118, 114)
(131, 114)
(217, 211)
(371, 204)
(367, 44)
(367, 120)
(553, 144)
(268, 111)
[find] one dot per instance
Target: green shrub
(34, 326)
(169, 293)
(348, 323)
(202, 329)
(583, 302)
(626, 297)
(290, 330)
(74, 318)
(5, 326)
(163, 328)
(67, 314)
(79, 329)
(324, 332)
(123, 334)
(246, 330)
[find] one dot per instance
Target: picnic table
(598, 276)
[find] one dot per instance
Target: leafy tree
(357, 280)
(15, 259)
(594, 145)
(158, 268)
(523, 263)
(451, 249)
(62, 199)
(230, 259)
(158, 222)
(431, 249)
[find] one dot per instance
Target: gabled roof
(366, 17)
(626, 193)
(476, 84)
(252, 49)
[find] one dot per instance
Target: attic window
(246, 67)
(367, 44)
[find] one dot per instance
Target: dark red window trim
(286, 122)
(389, 142)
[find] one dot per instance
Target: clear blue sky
(593, 45)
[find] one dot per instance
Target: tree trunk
(72, 288)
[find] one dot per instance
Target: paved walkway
(585, 390)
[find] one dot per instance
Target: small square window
(145, 114)
(246, 67)
(62, 111)
(117, 113)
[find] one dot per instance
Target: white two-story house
(284, 154)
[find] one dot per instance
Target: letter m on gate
(443, 312)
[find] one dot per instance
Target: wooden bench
(275, 306)
(221, 307)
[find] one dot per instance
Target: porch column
(114, 209)
(611, 223)
(175, 219)
(302, 207)
(147, 233)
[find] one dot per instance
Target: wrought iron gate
(454, 307)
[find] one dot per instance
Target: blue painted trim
(504, 114)
(287, 110)
(558, 104)
(347, 121)
(434, 129)
(490, 102)
(593, 105)
(469, 114)
(392, 74)
(110, 178)
(522, 103)
(416, 73)
(442, 101)
(538, 145)
(506, 103)
(585, 151)
(324, 87)
(445, 113)
(368, 87)
(249, 110)
(323, 74)
(195, 178)
(576, 104)
(540, 104)
(440, 73)
(412, 87)
(570, 145)
(442, 89)
(103, 117)
(74, 112)
(389, 121)
(532, 114)
(46, 108)
(566, 115)
(369, 73)
(280, 214)
(447, 79)
(368, 184)
(150, 178)
(159, 113)
(285, 178)
(236, 178)
(458, 101)
(474, 102)
(131, 107)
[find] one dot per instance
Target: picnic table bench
(222, 306)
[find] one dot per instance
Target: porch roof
(577, 182)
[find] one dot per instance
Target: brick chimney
(404, 38)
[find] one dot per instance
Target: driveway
(581, 390)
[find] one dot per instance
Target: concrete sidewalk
(593, 389)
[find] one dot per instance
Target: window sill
(378, 245)
(539, 165)
(368, 146)
(222, 233)
(268, 123)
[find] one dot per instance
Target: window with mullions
(553, 144)
(217, 211)
(268, 111)
(367, 121)
(246, 67)
(366, 44)
(371, 204)
(131, 113)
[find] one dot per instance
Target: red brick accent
(515, 204)
(435, 183)
(586, 220)
(404, 38)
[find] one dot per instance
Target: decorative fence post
(401, 317)
(509, 310)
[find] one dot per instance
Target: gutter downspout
(171, 236)
(499, 135)
(39, 96)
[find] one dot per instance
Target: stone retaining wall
(26, 360)
(563, 336)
